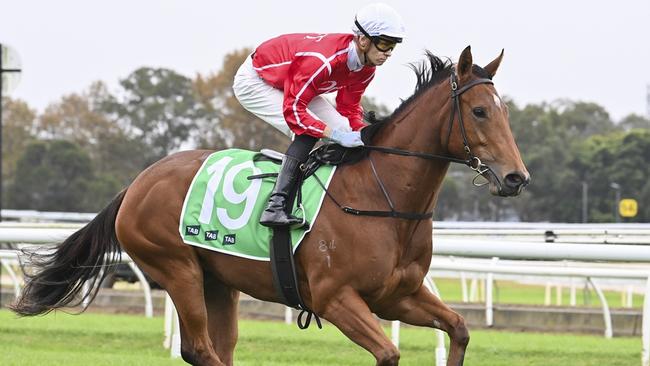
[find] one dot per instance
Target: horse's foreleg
(353, 317)
(222, 304)
(424, 309)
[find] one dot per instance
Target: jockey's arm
(299, 90)
(348, 103)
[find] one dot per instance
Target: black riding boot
(275, 213)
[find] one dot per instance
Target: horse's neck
(413, 182)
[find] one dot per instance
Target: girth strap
(285, 279)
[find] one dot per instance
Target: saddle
(330, 154)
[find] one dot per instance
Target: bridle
(472, 161)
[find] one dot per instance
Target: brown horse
(367, 265)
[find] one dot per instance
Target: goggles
(383, 43)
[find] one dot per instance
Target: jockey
(282, 82)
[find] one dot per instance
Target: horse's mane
(429, 72)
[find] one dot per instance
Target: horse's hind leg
(196, 345)
(424, 309)
(222, 304)
(178, 271)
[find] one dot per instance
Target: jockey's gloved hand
(347, 139)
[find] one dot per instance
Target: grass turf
(99, 339)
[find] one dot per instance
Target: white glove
(347, 139)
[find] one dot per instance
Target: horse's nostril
(514, 180)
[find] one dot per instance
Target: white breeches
(265, 101)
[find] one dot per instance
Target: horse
(368, 266)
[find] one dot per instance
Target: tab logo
(192, 229)
(229, 239)
(211, 235)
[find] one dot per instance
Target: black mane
(428, 72)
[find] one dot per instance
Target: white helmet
(379, 20)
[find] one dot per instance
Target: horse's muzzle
(514, 183)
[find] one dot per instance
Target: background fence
(575, 252)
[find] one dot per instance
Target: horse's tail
(60, 275)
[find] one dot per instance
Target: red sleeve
(304, 74)
(348, 102)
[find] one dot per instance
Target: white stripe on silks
(319, 56)
(326, 63)
(272, 65)
(314, 116)
(295, 102)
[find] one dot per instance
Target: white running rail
(505, 241)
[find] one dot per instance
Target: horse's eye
(479, 112)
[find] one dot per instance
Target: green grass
(97, 339)
(63, 339)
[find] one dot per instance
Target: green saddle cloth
(222, 207)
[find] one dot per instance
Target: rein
(472, 161)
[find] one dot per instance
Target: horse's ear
(465, 62)
(492, 67)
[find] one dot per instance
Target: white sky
(582, 50)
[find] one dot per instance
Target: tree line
(568, 147)
(84, 148)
